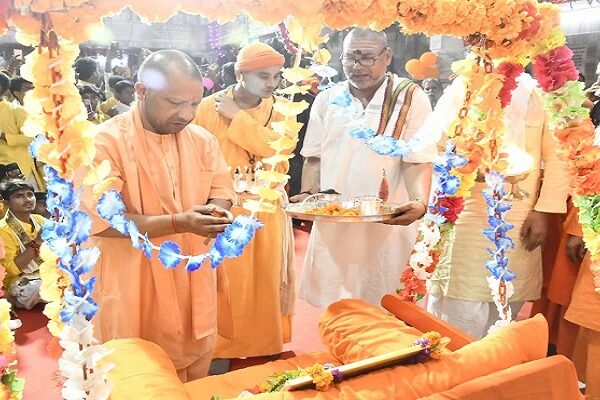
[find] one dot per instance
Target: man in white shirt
(364, 260)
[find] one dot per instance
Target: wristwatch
(425, 204)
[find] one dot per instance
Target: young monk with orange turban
(262, 278)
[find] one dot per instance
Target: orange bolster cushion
(353, 330)
(142, 371)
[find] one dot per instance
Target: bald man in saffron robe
(262, 279)
(171, 176)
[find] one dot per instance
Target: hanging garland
(516, 31)
(11, 387)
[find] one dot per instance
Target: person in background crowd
(18, 87)
(19, 230)
(91, 98)
(86, 72)
(14, 145)
(433, 89)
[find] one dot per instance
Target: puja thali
(331, 208)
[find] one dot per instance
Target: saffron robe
(137, 297)
(262, 279)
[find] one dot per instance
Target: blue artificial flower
(85, 259)
(61, 193)
(120, 223)
(147, 247)
(169, 254)
(362, 132)
(196, 262)
(494, 180)
(247, 221)
(490, 233)
(77, 305)
(134, 234)
(80, 227)
(439, 166)
(450, 185)
(235, 238)
(503, 206)
(403, 148)
(36, 143)
(342, 100)
(436, 218)
(53, 235)
(110, 204)
(455, 160)
(227, 247)
(216, 258)
(239, 235)
(383, 145)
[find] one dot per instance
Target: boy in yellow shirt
(19, 231)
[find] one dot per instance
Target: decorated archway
(503, 36)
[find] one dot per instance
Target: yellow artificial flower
(322, 378)
(6, 335)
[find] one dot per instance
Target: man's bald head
(366, 34)
(159, 66)
(365, 58)
(169, 90)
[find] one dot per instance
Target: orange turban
(256, 56)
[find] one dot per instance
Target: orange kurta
(583, 311)
(261, 280)
(559, 278)
(157, 174)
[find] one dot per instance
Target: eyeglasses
(363, 62)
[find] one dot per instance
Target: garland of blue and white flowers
(381, 144)
(65, 235)
(501, 279)
(228, 244)
(433, 229)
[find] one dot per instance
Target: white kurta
(524, 121)
(358, 260)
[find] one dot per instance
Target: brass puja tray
(367, 210)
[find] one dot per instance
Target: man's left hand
(226, 106)
(534, 230)
(410, 212)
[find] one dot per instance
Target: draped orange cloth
(137, 296)
(256, 56)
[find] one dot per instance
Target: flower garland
(517, 31)
(500, 281)
(55, 110)
(11, 387)
(228, 244)
(71, 306)
(563, 98)
(381, 144)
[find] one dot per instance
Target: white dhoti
(359, 260)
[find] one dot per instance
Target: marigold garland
(513, 31)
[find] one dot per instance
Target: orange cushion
(518, 343)
(142, 371)
(552, 378)
(353, 330)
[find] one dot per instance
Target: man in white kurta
(362, 260)
(465, 298)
